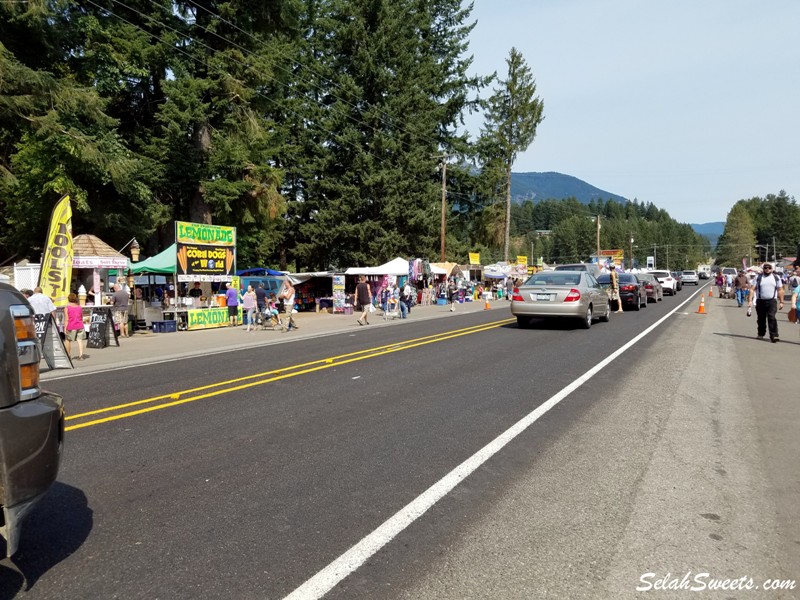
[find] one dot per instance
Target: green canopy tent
(160, 264)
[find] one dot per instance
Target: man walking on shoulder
(767, 291)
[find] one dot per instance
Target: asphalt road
(244, 474)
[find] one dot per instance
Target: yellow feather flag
(56, 272)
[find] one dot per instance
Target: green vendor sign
(209, 318)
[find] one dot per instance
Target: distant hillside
(712, 231)
(544, 186)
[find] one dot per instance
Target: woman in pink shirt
(75, 330)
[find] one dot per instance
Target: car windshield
(554, 278)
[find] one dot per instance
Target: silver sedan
(561, 294)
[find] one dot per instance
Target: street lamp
(766, 251)
(134, 248)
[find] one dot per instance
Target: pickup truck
(31, 420)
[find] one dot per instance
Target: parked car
(679, 279)
(31, 420)
(651, 285)
(560, 294)
(631, 291)
(690, 277)
(667, 281)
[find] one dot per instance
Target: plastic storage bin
(165, 326)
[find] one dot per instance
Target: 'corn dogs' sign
(205, 252)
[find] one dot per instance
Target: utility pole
(655, 257)
(631, 251)
(598, 239)
(444, 200)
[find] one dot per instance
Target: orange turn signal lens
(29, 376)
(24, 328)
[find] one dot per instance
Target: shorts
(120, 316)
(233, 311)
(76, 334)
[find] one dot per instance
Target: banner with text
(205, 252)
(474, 258)
(56, 271)
(209, 318)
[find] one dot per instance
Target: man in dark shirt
(121, 301)
(196, 291)
(261, 302)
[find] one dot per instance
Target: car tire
(606, 317)
(637, 305)
(586, 322)
(523, 322)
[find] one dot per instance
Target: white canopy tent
(398, 266)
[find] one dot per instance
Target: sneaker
(760, 337)
(359, 321)
(775, 339)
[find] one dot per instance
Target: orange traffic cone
(702, 309)
(711, 292)
(486, 304)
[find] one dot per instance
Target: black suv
(31, 420)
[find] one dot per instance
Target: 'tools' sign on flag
(56, 271)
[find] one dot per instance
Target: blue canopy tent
(259, 272)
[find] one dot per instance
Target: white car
(667, 281)
(689, 277)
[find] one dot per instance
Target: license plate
(543, 297)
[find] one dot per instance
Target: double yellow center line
(127, 410)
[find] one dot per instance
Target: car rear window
(660, 274)
(688, 272)
(554, 278)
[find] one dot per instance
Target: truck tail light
(28, 354)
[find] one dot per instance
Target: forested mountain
(551, 185)
(319, 128)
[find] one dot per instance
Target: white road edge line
(321, 583)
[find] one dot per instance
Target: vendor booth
(394, 271)
(202, 253)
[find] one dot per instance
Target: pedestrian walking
(509, 288)
(612, 272)
(363, 300)
(742, 286)
(767, 292)
(249, 304)
(262, 299)
(75, 331)
(121, 302)
(287, 294)
(452, 293)
(232, 302)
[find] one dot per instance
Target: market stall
(394, 271)
(203, 253)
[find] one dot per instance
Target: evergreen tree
(513, 113)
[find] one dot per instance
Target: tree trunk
(508, 212)
(199, 209)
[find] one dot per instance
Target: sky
(689, 104)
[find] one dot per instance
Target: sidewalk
(146, 347)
